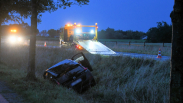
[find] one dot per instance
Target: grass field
(122, 40)
(149, 48)
(119, 79)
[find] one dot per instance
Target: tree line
(161, 33)
(52, 32)
(110, 33)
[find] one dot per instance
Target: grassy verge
(13, 71)
(150, 48)
(39, 91)
(122, 40)
(48, 43)
(119, 79)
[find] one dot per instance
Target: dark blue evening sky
(124, 15)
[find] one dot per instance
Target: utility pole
(176, 72)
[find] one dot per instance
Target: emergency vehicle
(72, 33)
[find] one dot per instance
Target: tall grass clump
(130, 80)
(119, 79)
(150, 48)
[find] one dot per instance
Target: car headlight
(78, 31)
(92, 31)
(19, 39)
(12, 39)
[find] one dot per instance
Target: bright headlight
(12, 39)
(78, 31)
(19, 39)
(92, 32)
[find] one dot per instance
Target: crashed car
(74, 73)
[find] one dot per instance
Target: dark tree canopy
(52, 32)
(110, 33)
(8, 8)
(45, 5)
(161, 33)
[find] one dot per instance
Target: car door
(81, 59)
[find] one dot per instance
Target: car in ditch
(74, 73)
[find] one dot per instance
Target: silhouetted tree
(161, 33)
(176, 72)
(39, 6)
(110, 33)
(52, 32)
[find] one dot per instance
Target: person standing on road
(71, 40)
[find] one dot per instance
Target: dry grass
(150, 48)
(119, 79)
